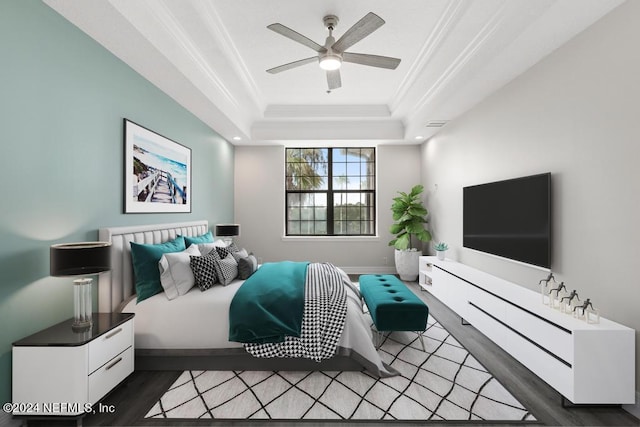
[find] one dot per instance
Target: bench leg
(421, 340)
(378, 337)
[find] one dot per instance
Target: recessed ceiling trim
(173, 28)
(326, 111)
(465, 56)
(328, 130)
(218, 30)
(443, 28)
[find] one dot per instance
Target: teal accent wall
(63, 98)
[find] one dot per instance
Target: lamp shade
(74, 259)
(227, 230)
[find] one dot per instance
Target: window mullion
(330, 214)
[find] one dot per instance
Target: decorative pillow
(226, 269)
(247, 266)
(204, 270)
(203, 238)
(223, 251)
(205, 248)
(145, 259)
(176, 276)
(242, 253)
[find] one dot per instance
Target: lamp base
(82, 305)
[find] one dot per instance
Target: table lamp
(79, 259)
(227, 232)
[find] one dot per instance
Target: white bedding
(200, 320)
(195, 320)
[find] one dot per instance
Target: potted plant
(409, 215)
(441, 248)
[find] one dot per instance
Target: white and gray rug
(443, 383)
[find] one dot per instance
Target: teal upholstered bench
(393, 306)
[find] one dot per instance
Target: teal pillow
(145, 265)
(204, 238)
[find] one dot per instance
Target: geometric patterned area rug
(443, 383)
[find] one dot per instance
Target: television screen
(511, 219)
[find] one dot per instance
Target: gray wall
(63, 98)
(259, 208)
(576, 115)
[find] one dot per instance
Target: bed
(192, 331)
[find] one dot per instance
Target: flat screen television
(510, 218)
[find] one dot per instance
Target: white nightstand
(60, 372)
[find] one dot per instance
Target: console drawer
(105, 347)
(110, 375)
(554, 339)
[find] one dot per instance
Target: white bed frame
(117, 286)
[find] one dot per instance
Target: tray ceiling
(211, 56)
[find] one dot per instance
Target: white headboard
(118, 284)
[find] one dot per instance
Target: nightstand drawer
(110, 375)
(105, 347)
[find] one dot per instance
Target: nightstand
(60, 372)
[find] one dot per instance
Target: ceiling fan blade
(371, 60)
(333, 79)
(358, 31)
(296, 37)
(291, 65)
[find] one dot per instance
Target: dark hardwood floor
(141, 390)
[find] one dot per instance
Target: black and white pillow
(223, 251)
(226, 269)
(206, 248)
(204, 270)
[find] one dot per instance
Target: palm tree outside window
(330, 191)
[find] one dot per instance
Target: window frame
(330, 194)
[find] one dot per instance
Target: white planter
(440, 255)
(407, 264)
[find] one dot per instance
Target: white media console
(586, 363)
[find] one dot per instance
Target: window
(330, 191)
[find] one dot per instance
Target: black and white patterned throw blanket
(325, 311)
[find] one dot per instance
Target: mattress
(196, 320)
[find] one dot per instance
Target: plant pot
(440, 255)
(407, 264)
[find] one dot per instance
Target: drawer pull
(112, 334)
(114, 363)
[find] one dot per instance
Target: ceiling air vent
(436, 123)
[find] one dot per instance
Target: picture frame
(157, 176)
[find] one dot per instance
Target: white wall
(575, 114)
(259, 208)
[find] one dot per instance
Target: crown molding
(216, 27)
(459, 63)
(443, 28)
(172, 28)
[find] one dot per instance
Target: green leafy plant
(409, 215)
(441, 246)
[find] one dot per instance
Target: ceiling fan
(331, 56)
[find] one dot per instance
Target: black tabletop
(62, 334)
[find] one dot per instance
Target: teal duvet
(269, 304)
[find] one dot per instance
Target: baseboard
(369, 270)
(635, 408)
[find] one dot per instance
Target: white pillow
(176, 276)
(205, 248)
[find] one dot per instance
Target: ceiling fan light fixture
(330, 62)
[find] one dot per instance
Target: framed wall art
(157, 172)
